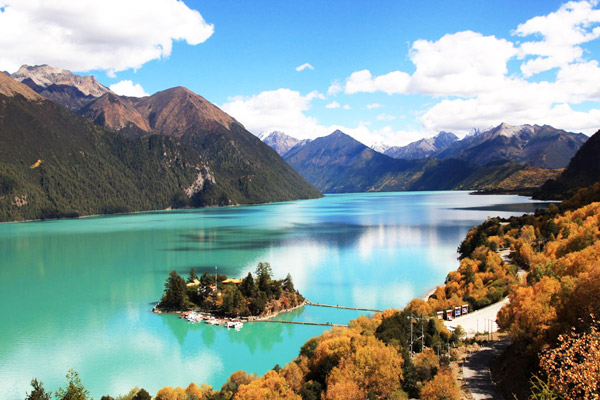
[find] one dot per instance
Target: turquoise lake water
(78, 293)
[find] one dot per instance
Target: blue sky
(382, 71)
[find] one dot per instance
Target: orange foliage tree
(442, 387)
(573, 367)
(270, 386)
(170, 393)
(374, 370)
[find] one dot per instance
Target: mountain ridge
(583, 171)
(338, 163)
(533, 145)
(422, 148)
(55, 163)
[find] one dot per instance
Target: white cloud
(346, 107)
(333, 104)
(363, 81)
(128, 88)
(373, 105)
(334, 88)
(562, 32)
(386, 117)
(285, 110)
(304, 66)
(111, 35)
(460, 64)
(277, 110)
(469, 72)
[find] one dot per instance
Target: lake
(78, 293)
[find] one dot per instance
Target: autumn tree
(271, 386)
(374, 370)
(531, 311)
(293, 375)
(426, 364)
(142, 394)
(573, 367)
(170, 393)
(235, 380)
(194, 391)
(442, 387)
(74, 389)
(38, 392)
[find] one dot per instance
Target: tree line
(251, 297)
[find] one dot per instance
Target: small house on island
(232, 280)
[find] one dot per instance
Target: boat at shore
(237, 325)
(193, 316)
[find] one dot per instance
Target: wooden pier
(310, 303)
(299, 322)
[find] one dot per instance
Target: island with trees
(217, 295)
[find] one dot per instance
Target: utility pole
(422, 336)
(216, 279)
(411, 336)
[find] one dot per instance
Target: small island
(219, 296)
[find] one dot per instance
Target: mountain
(338, 163)
(380, 147)
(423, 148)
(248, 171)
(11, 88)
(583, 171)
(60, 85)
(533, 145)
(56, 163)
(282, 143)
(46, 75)
(118, 113)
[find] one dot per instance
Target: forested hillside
(55, 163)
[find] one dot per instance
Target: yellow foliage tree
(270, 386)
(170, 393)
(198, 392)
(442, 387)
(426, 364)
(573, 368)
(373, 370)
(531, 311)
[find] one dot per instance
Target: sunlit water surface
(78, 293)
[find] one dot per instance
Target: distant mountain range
(282, 143)
(338, 163)
(533, 145)
(171, 149)
(423, 148)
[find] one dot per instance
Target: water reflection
(84, 288)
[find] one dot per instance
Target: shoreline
(250, 318)
(472, 192)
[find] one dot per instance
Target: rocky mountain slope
(338, 163)
(56, 163)
(60, 85)
(423, 148)
(282, 143)
(533, 145)
(583, 171)
(248, 170)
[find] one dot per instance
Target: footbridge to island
(310, 303)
